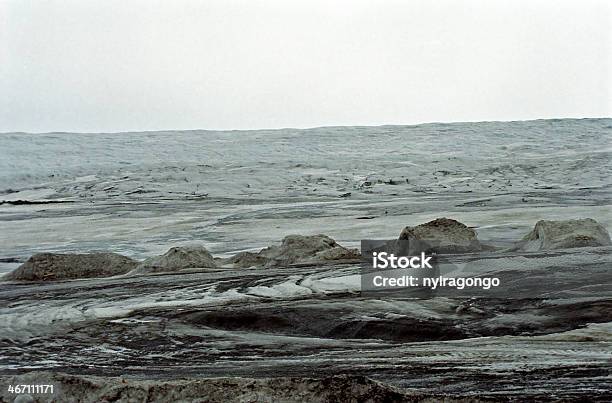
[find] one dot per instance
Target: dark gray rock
(59, 266)
(178, 258)
(296, 249)
(549, 235)
(442, 235)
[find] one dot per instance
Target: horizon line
(306, 128)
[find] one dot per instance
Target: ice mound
(547, 235)
(58, 266)
(296, 249)
(442, 235)
(178, 258)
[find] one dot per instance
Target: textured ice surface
(140, 193)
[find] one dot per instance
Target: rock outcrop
(549, 235)
(60, 266)
(338, 388)
(296, 249)
(178, 258)
(247, 259)
(442, 235)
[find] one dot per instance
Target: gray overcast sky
(74, 65)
